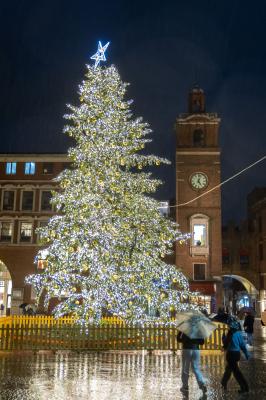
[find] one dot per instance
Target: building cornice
(29, 182)
(198, 153)
(205, 118)
(63, 157)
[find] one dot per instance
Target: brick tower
(197, 171)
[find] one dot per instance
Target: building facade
(256, 205)
(26, 182)
(227, 266)
(197, 172)
(244, 263)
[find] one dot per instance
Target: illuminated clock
(198, 180)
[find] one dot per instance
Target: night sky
(162, 48)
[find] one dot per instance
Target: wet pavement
(123, 376)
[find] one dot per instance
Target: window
(199, 234)
(68, 165)
(42, 224)
(33, 294)
(198, 138)
(164, 208)
(46, 200)
(199, 272)
(47, 168)
(27, 200)
(25, 232)
(29, 168)
(8, 200)
(226, 256)
(11, 168)
(6, 229)
(243, 257)
(196, 106)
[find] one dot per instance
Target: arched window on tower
(198, 138)
(196, 106)
(199, 228)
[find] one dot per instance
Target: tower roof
(196, 100)
(196, 89)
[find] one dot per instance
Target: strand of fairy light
(220, 184)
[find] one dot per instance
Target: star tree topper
(100, 56)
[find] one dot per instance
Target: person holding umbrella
(193, 327)
(233, 343)
(248, 327)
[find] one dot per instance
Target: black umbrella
(220, 317)
(23, 305)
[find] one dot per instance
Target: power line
(222, 183)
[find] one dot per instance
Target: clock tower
(199, 212)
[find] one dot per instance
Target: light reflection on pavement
(122, 376)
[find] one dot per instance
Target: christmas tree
(105, 249)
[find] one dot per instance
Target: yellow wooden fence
(48, 333)
(51, 321)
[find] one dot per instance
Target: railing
(47, 333)
(50, 320)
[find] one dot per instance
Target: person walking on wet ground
(221, 316)
(191, 356)
(248, 327)
(232, 343)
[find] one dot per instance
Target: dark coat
(248, 323)
(189, 344)
(221, 317)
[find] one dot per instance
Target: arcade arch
(240, 292)
(5, 290)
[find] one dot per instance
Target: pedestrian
(232, 343)
(191, 355)
(221, 316)
(248, 327)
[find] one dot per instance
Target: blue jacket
(235, 342)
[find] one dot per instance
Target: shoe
(203, 388)
(184, 389)
(243, 391)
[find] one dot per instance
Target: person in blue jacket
(232, 344)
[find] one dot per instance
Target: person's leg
(227, 371)
(250, 339)
(186, 359)
(196, 369)
(237, 373)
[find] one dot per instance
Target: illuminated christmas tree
(105, 249)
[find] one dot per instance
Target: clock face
(199, 180)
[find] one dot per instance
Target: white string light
(220, 184)
(105, 253)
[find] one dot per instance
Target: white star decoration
(100, 56)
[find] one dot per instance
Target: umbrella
(195, 325)
(220, 317)
(30, 307)
(23, 305)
